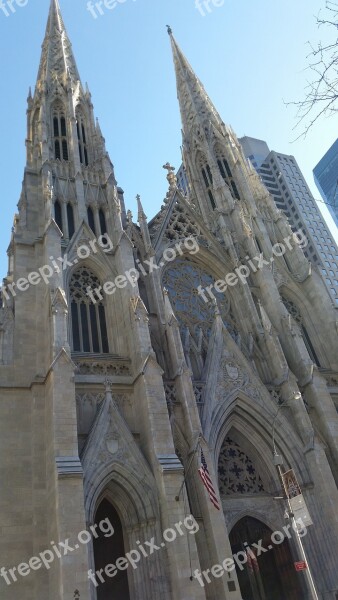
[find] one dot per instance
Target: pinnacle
(195, 104)
(57, 59)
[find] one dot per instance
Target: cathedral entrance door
(106, 551)
(267, 575)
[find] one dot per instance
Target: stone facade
(106, 399)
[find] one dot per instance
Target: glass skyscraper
(326, 177)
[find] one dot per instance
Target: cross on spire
(171, 177)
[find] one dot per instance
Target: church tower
(127, 349)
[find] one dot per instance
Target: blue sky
(250, 56)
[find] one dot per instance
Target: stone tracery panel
(236, 472)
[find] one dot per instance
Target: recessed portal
(106, 551)
(270, 576)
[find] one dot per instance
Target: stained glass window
(182, 280)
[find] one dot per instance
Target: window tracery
(88, 320)
(182, 280)
(236, 472)
(179, 226)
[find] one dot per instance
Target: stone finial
(108, 385)
(170, 31)
(171, 177)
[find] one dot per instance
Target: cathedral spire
(195, 104)
(57, 59)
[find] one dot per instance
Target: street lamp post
(278, 462)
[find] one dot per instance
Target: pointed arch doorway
(271, 576)
(106, 551)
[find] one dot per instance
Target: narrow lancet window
(208, 182)
(70, 219)
(82, 140)
(60, 133)
(227, 175)
(58, 215)
(91, 220)
(88, 318)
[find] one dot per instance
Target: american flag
(204, 475)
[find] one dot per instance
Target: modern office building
(283, 178)
(326, 177)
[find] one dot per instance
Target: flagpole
(189, 467)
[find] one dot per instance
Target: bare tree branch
(321, 91)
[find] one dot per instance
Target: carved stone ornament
(112, 445)
(232, 371)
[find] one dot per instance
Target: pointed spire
(57, 59)
(141, 213)
(195, 103)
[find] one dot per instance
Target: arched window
(297, 317)
(91, 220)
(82, 139)
(227, 174)
(88, 318)
(70, 219)
(58, 215)
(208, 182)
(60, 133)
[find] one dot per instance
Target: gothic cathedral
(133, 356)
